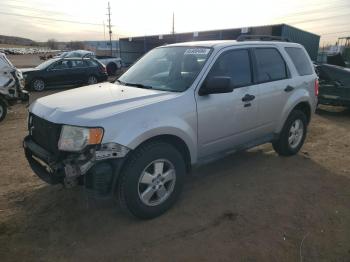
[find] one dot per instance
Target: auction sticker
(197, 51)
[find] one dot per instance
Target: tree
(76, 45)
(52, 44)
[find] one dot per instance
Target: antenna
(110, 28)
(173, 29)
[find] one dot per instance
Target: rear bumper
(100, 177)
(103, 77)
(335, 101)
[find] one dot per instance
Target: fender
(297, 97)
(169, 130)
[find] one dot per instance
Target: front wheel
(152, 180)
(3, 110)
(293, 134)
(38, 85)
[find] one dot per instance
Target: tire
(92, 80)
(293, 134)
(136, 191)
(38, 85)
(3, 110)
(111, 69)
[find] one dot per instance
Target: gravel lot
(251, 206)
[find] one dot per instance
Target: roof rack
(242, 38)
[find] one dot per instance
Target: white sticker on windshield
(197, 51)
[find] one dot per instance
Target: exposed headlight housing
(75, 138)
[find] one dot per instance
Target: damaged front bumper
(97, 168)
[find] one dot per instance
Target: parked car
(113, 64)
(64, 71)
(180, 105)
(11, 86)
(334, 85)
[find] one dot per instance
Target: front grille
(44, 133)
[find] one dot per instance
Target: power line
(50, 19)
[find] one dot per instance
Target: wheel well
(176, 142)
(112, 64)
(305, 108)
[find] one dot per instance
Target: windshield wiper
(138, 85)
(120, 82)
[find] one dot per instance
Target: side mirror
(216, 85)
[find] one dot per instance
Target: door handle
(248, 98)
(289, 88)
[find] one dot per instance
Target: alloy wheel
(157, 182)
(296, 133)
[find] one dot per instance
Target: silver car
(180, 105)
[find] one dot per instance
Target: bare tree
(52, 43)
(76, 45)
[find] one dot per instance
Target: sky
(66, 20)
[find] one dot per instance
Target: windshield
(167, 68)
(46, 64)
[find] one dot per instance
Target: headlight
(74, 138)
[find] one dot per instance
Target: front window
(167, 68)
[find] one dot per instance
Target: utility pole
(173, 30)
(110, 28)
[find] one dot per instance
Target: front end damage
(96, 167)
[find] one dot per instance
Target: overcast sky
(83, 19)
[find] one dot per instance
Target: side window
(234, 64)
(300, 60)
(63, 64)
(90, 63)
(270, 65)
(78, 63)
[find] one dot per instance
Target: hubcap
(296, 133)
(39, 85)
(157, 182)
(92, 80)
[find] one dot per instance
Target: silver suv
(178, 106)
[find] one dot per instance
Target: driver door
(228, 120)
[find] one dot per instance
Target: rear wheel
(3, 110)
(92, 80)
(293, 134)
(111, 69)
(152, 180)
(38, 85)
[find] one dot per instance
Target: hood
(89, 105)
(27, 70)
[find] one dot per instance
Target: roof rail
(242, 38)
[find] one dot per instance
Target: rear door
(274, 83)
(79, 71)
(226, 120)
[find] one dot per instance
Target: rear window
(270, 65)
(300, 60)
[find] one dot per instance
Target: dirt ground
(251, 206)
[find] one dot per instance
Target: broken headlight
(75, 138)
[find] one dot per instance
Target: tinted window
(64, 64)
(78, 64)
(90, 62)
(300, 60)
(270, 65)
(234, 64)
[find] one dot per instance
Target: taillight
(316, 87)
(103, 69)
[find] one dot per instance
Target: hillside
(14, 40)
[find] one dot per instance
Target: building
(103, 48)
(132, 48)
